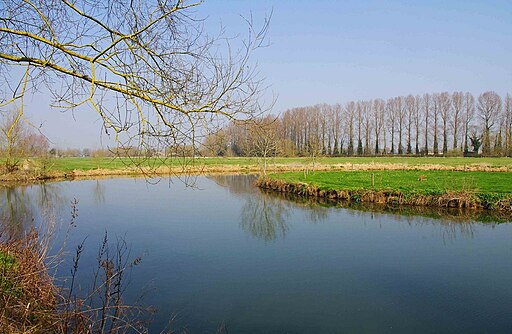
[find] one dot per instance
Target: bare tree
(367, 107)
(328, 124)
(216, 144)
(263, 139)
(18, 140)
(400, 111)
(498, 140)
(489, 108)
(445, 110)
(426, 113)
(410, 106)
(458, 105)
(147, 68)
(436, 101)
(293, 129)
(341, 130)
(323, 128)
(322, 119)
(417, 122)
(13, 131)
(315, 136)
(469, 105)
(359, 107)
(350, 110)
(336, 128)
(391, 122)
(378, 121)
(36, 144)
(508, 125)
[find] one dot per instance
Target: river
(216, 251)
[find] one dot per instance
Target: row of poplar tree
(440, 124)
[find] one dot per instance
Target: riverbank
(80, 168)
(34, 301)
(28, 297)
(435, 188)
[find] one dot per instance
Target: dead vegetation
(28, 298)
(33, 301)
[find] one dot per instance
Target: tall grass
(32, 301)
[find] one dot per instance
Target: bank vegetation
(444, 189)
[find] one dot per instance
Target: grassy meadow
(389, 172)
(422, 181)
(437, 188)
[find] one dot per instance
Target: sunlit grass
(405, 180)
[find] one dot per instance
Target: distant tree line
(18, 141)
(431, 124)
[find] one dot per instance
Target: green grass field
(69, 164)
(405, 180)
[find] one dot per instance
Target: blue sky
(337, 51)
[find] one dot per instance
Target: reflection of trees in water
(99, 192)
(450, 230)
(17, 206)
(453, 215)
(316, 211)
(452, 223)
(236, 184)
(16, 211)
(264, 217)
(264, 212)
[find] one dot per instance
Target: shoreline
(37, 176)
(461, 200)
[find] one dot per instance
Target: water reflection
(16, 211)
(19, 206)
(236, 184)
(452, 223)
(99, 192)
(264, 214)
(271, 263)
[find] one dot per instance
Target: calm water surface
(225, 253)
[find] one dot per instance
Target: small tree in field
(19, 141)
(264, 140)
(14, 133)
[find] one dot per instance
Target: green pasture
(406, 181)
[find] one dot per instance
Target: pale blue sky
(337, 51)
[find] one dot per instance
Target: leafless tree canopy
(439, 123)
(147, 67)
(18, 141)
(489, 108)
